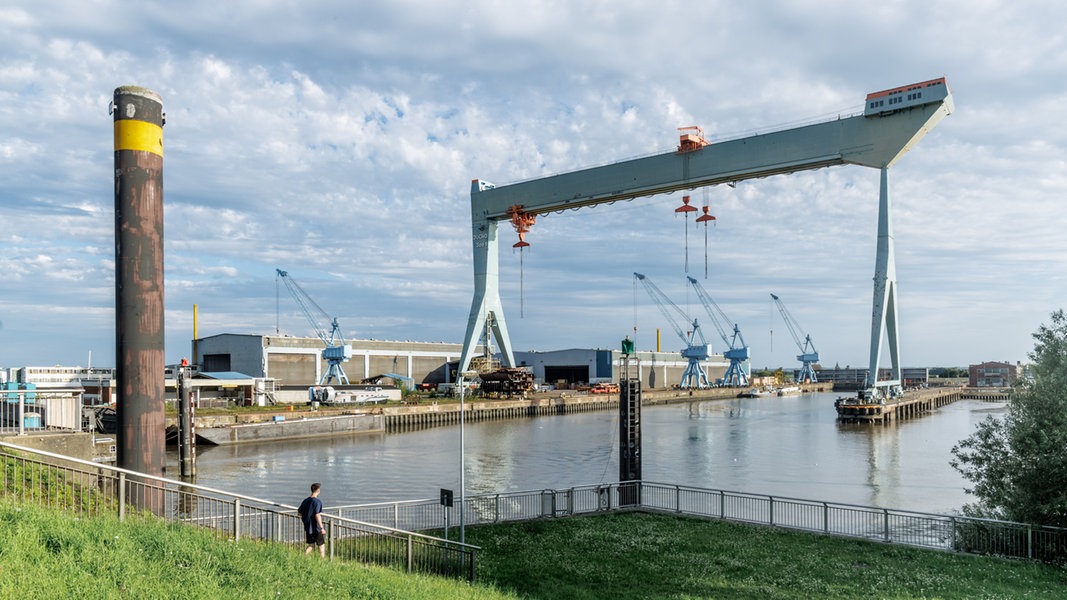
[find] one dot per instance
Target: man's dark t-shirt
(308, 509)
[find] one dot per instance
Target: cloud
(338, 142)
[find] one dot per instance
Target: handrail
(232, 495)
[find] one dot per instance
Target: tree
(1018, 463)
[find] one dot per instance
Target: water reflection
(785, 446)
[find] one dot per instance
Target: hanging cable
(770, 321)
(705, 218)
(685, 209)
(522, 221)
(634, 284)
(522, 285)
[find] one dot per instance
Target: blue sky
(337, 141)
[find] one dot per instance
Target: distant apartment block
(994, 374)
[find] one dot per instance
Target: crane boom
(336, 350)
(737, 373)
(694, 375)
(808, 355)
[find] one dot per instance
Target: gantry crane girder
(876, 141)
(737, 352)
(695, 352)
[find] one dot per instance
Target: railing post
(1029, 542)
(885, 523)
(678, 498)
(722, 504)
(825, 518)
(236, 519)
(410, 554)
(329, 537)
(122, 496)
(496, 509)
(771, 510)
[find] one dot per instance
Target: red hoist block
(704, 218)
(685, 207)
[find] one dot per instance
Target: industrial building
(565, 368)
(99, 386)
(855, 379)
(292, 360)
(994, 374)
(298, 361)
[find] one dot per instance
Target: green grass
(46, 554)
(637, 555)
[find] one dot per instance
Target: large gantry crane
(808, 356)
(336, 350)
(893, 121)
(696, 347)
(737, 351)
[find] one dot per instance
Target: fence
(383, 533)
(941, 532)
(35, 410)
(90, 489)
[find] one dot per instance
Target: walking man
(311, 514)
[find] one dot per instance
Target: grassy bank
(632, 555)
(52, 555)
(636, 555)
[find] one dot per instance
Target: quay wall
(409, 417)
(987, 394)
(914, 404)
(419, 415)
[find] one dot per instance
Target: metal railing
(24, 411)
(86, 488)
(954, 533)
(385, 533)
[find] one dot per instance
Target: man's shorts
(315, 538)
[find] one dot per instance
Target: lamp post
(462, 488)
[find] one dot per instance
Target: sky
(337, 141)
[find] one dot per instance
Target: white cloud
(338, 142)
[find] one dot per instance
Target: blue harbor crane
(336, 350)
(737, 353)
(694, 375)
(808, 355)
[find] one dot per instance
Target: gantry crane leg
(884, 310)
(486, 301)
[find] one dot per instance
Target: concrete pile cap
(136, 90)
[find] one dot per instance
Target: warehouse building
(577, 366)
(298, 361)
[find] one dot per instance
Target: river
(785, 446)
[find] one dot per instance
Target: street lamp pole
(462, 462)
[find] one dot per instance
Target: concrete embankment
(913, 404)
(294, 424)
(290, 429)
(405, 418)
